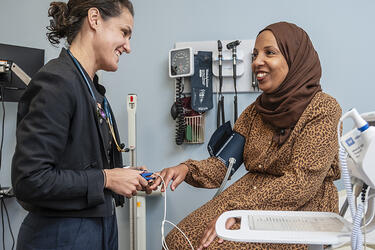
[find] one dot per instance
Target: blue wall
(341, 30)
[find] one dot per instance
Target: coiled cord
(357, 213)
(180, 121)
(346, 178)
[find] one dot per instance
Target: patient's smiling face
(269, 65)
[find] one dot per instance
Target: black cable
(363, 194)
(220, 105)
(2, 223)
(8, 219)
(1, 156)
(2, 128)
(3, 206)
(235, 84)
(235, 89)
(363, 199)
(180, 120)
(233, 46)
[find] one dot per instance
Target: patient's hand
(209, 234)
(175, 174)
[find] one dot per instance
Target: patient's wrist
(183, 165)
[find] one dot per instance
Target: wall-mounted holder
(194, 129)
(244, 73)
(228, 63)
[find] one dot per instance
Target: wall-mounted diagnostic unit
(185, 63)
(243, 64)
(201, 69)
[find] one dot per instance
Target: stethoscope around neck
(107, 114)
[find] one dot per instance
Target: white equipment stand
(312, 228)
(137, 207)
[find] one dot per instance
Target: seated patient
(291, 148)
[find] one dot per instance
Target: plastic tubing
(356, 237)
(232, 161)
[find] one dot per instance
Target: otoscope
(220, 105)
(233, 46)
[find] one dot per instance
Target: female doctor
(67, 167)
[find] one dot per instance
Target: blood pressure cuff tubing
(226, 143)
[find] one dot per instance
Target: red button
(131, 98)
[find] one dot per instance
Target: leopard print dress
(298, 175)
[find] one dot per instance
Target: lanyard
(121, 147)
(106, 110)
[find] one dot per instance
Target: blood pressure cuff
(226, 143)
(201, 82)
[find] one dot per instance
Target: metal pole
(131, 108)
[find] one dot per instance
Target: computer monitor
(30, 60)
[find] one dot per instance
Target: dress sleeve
(45, 114)
(312, 155)
(208, 173)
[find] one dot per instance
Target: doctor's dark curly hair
(67, 18)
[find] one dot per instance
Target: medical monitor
(30, 60)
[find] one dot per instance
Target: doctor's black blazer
(60, 151)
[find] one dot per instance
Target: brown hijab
(283, 107)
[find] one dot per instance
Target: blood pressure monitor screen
(181, 62)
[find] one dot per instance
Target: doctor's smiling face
(112, 39)
(269, 64)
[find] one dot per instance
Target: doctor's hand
(209, 234)
(125, 182)
(143, 168)
(175, 174)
